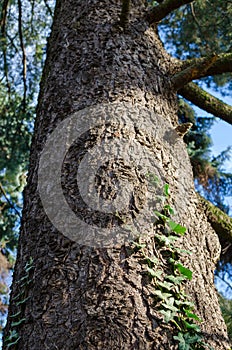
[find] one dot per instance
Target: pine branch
(194, 71)
(162, 10)
(204, 100)
(125, 12)
(222, 64)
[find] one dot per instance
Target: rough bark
(82, 297)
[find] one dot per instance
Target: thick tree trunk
(79, 295)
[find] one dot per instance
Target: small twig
(24, 59)
(125, 12)
(227, 283)
(48, 8)
(8, 201)
(12, 42)
(194, 15)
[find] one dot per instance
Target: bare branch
(24, 60)
(124, 16)
(162, 10)
(207, 102)
(194, 71)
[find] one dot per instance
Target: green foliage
(210, 177)
(14, 151)
(17, 103)
(226, 308)
(168, 276)
(191, 31)
(17, 112)
(199, 29)
(20, 300)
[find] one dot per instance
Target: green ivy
(20, 300)
(169, 298)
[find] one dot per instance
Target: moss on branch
(196, 70)
(204, 100)
(222, 64)
(219, 220)
(222, 224)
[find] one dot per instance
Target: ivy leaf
(169, 209)
(155, 273)
(152, 260)
(166, 285)
(159, 215)
(15, 324)
(22, 301)
(168, 315)
(166, 190)
(166, 240)
(192, 339)
(139, 245)
(186, 339)
(169, 304)
(161, 295)
(181, 340)
(177, 228)
(190, 314)
(192, 326)
(13, 334)
(185, 303)
(17, 314)
(175, 279)
(13, 343)
(184, 271)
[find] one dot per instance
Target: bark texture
(87, 298)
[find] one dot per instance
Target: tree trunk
(86, 287)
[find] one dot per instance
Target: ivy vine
(20, 299)
(168, 276)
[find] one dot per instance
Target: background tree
(186, 74)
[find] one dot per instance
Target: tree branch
(222, 224)
(204, 100)
(222, 64)
(219, 220)
(125, 11)
(194, 71)
(162, 10)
